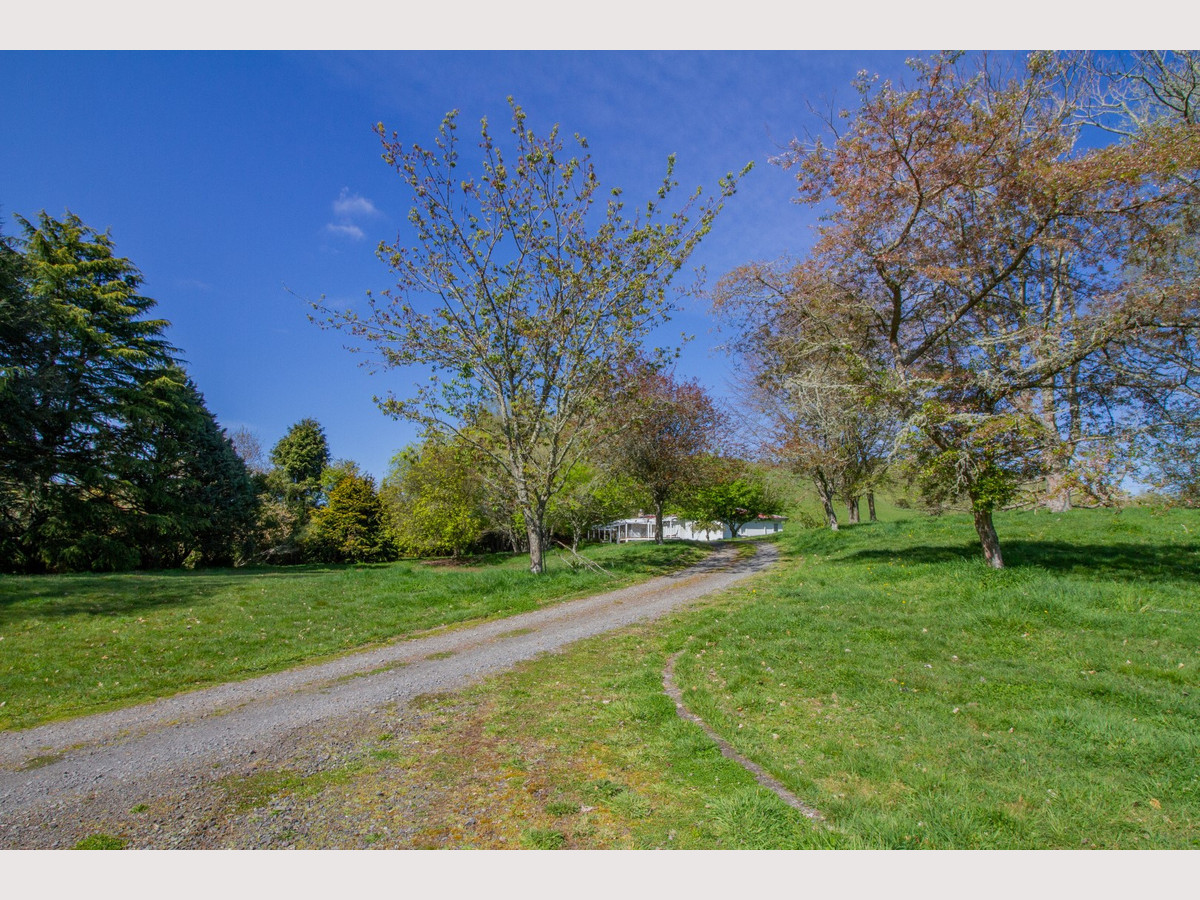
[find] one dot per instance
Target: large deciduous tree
(525, 290)
(668, 427)
(435, 498)
(985, 262)
(802, 376)
(1141, 92)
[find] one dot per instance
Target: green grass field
(890, 679)
(73, 644)
(884, 674)
(920, 699)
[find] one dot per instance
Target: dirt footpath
(58, 781)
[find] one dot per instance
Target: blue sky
(242, 184)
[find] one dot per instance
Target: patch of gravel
(157, 774)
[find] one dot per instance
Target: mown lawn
(72, 644)
(884, 673)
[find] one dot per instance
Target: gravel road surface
(162, 747)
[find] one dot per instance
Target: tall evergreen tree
(299, 459)
(195, 498)
(108, 457)
(82, 344)
(18, 355)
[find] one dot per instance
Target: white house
(642, 528)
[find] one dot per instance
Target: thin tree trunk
(871, 506)
(1058, 495)
(826, 496)
(658, 526)
(537, 547)
(852, 510)
(988, 539)
(1058, 455)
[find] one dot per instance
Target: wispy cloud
(345, 230)
(353, 206)
(348, 211)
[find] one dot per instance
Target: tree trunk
(826, 496)
(537, 546)
(988, 539)
(658, 517)
(1056, 459)
(871, 506)
(1058, 495)
(1060, 453)
(852, 510)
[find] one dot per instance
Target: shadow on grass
(1126, 562)
(62, 596)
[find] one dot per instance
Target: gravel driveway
(162, 747)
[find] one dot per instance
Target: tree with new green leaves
(732, 495)
(351, 526)
(334, 472)
(526, 290)
(591, 496)
(435, 498)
